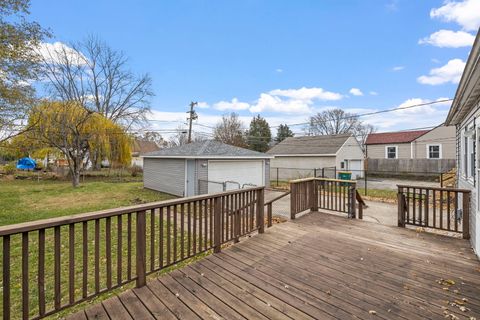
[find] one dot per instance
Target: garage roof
(208, 149)
(311, 145)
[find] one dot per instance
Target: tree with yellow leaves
(77, 132)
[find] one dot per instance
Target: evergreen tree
(283, 132)
(259, 134)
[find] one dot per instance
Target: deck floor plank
(319, 266)
(115, 309)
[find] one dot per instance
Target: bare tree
(333, 121)
(95, 76)
(337, 121)
(230, 130)
(181, 137)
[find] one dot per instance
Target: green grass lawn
(27, 200)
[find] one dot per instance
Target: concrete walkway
(379, 212)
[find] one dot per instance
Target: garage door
(243, 172)
(356, 167)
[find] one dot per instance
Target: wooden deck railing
(445, 209)
(320, 193)
(57, 263)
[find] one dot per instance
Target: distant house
(141, 147)
(411, 152)
(298, 156)
(204, 167)
(465, 116)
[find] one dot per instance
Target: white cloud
(231, 105)
(417, 117)
(398, 68)
(451, 72)
(356, 92)
(203, 105)
(449, 39)
(269, 102)
(373, 93)
(434, 60)
(57, 52)
(307, 94)
(466, 13)
(279, 70)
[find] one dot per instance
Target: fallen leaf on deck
(372, 312)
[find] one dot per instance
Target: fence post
(441, 179)
(466, 215)
(360, 207)
(335, 172)
(315, 172)
(260, 211)
(277, 176)
(141, 249)
(217, 213)
(401, 208)
(323, 172)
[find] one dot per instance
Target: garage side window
(434, 151)
(391, 152)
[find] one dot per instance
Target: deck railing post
(313, 195)
(269, 215)
(293, 199)
(401, 208)
(260, 211)
(141, 259)
(466, 215)
(352, 194)
(217, 213)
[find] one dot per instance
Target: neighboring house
(204, 167)
(140, 148)
(412, 152)
(465, 115)
(297, 157)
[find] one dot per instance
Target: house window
(342, 165)
(391, 152)
(468, 153)
(434, 151)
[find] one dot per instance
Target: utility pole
(192, 116)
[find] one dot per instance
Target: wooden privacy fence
(53, 264)
(445, 209)
(321, 193)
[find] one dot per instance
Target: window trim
(396, 151)
(439, 145)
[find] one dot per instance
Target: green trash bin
(344, 175)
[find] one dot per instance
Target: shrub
(135, 170)
(10, 168)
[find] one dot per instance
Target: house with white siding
(299, 156)
(465, 116)
(412, 152)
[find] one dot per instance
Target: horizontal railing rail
(269, 205)
(323, 193)
(53, 264)
(446, 209)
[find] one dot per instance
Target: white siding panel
(165, 175)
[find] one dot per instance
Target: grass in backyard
(379, 195)
(27, 200)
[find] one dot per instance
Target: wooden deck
(318, 266)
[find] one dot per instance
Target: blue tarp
(26, 164)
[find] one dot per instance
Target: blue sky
(255, 56)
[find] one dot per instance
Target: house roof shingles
(394, 137)
(310, 145)
(206, 149)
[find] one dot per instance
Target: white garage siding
(298, 167)
(165, 175)
(241, 171)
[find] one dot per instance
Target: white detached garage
(204, 167)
